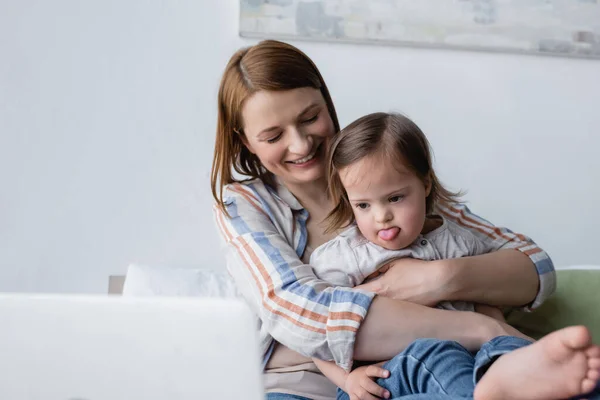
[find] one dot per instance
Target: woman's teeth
(305, 159)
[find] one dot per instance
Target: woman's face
(288, 132)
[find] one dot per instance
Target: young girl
(392, 205)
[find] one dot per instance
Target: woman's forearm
(391, 325)
(503, 278)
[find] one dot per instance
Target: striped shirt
(266, 237)
(350, 259)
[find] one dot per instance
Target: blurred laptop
(119, 348)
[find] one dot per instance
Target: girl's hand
(360, 383)
(408, 279)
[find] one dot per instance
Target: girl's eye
(362, 206)
(395, 199)
(274, 139)
(311, 120)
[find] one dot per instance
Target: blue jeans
(431, 369)
(284, 396)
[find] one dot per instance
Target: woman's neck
(312, 196)
(314, 199)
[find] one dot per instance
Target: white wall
(107, 117)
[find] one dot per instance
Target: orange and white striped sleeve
(296, 308)
(492, 238)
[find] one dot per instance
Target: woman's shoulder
(451, 210)
(252, 196)
(249, 190)
(265, 194)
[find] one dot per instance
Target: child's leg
(284, 396)
(493, 349)
(343, 396)
(498, 346)
(563, 364)
(432, 397)
(430, 366)
(439, 370)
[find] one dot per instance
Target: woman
(275, 119)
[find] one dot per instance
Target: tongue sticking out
(389, 234)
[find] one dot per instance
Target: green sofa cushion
(576, 302)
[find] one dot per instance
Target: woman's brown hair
(397, 140)
(269, 65)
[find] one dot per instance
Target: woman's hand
(409, 279)
(490, 311)
(360, 383)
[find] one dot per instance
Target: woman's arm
(391, 325)
(511, 270)
(514, 272)
(490, 311)
(296, 308)
(502, 278)
(317, 320)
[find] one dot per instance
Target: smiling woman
(266, 72)
(288, 131)
(275, 119)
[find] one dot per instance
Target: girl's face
(388, 201)
(288, 132)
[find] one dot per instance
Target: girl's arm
(360, 383)
(334, 373)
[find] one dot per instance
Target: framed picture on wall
(553, 27)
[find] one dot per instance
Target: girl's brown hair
(399, 141)
(269, 65)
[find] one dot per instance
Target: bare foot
(561, 365)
